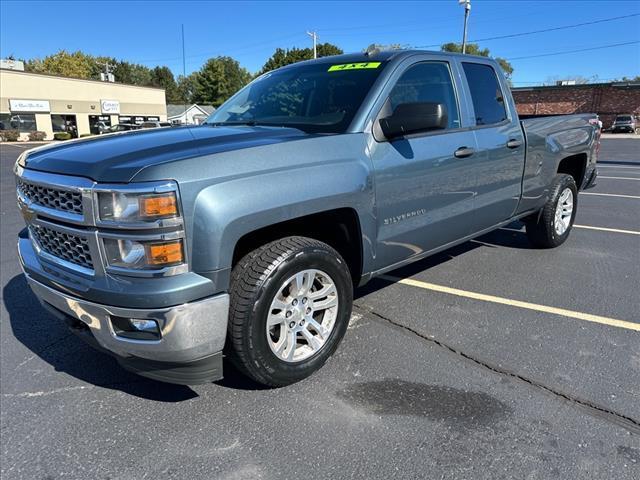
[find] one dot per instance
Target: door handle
(513, 143)
(464, 152)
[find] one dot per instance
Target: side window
(488, 100)
(427, 82)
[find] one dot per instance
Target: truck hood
(119, 157)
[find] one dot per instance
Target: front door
(424, 189)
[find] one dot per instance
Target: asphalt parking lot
(490, 360)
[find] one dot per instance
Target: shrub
(62, 136)
(37, 136)
(9, 135)
(86, 135)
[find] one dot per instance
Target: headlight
(143, 255)
(136, 207)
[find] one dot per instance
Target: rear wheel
(291, 302)
(552, 225)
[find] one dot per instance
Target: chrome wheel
(564, 211)
(302, 315)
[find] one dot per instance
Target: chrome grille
(56, 199)
(68, 247)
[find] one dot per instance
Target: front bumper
(192, 335)
(189, 350)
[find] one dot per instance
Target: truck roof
(381, 56)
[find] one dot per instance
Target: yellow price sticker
(353, 66)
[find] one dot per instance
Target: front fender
(225, 212)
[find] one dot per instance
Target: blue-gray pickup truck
(245, 237)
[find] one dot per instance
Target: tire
(264, 288)
(542, 229)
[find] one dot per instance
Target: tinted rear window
(625, 118)
(488, 101)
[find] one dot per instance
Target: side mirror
(408, 118)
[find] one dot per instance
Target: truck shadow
(50, 339)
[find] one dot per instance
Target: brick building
(605, 99)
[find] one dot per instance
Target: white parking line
(620, 178)
(23, 147)
(610, 195)
(587, 317)
(586, 227)
(603, 229)
(618, 166)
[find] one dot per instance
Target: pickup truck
(246, 236)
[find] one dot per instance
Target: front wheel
(551, 226)
(291, 302)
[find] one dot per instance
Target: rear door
(424, 192)
(500, 158)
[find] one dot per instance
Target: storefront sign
(110, 106)
(29, 105)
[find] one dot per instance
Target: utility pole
(314, 35)
(184, 75)
(467, 9)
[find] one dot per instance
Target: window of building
(64, 123)
(486, 94)
(428, 82)
(23, 122)
(99, 124)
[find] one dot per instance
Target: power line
(575, 51)
(545, 30)
(222, 52)
(557, 28)
(432, 24)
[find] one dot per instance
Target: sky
(149, 32)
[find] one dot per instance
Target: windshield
(625, 118)
(315, 98)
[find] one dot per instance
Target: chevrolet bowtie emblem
(25, 208)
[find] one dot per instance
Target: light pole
(467, 9)
(314, 35)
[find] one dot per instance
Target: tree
(76, 64)
(186, 86)
(163, 78)
(629, 79)
(474, 49)
(217, 80)
(282, 57)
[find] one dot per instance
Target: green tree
(629, 79)
(76, 64)
(185, 88)
(132, 73)
(217, 80)
(474, 49)
(162, 77)
(282, 57)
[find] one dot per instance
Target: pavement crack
(625, 421)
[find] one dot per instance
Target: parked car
(624, 123)
(123, 127)
(247, 235)
(155, 124)
(100, 127)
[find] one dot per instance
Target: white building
(191, 115)
(49, 103)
